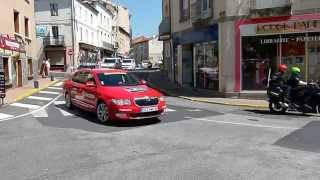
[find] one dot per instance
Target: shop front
(196, 57)
(87, 53)
(263, 44)
(13, 61)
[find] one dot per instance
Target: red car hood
(129, 92)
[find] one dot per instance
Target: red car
(113, 95)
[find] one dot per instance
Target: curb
(33, 91)
(225, 103)
(166, 92)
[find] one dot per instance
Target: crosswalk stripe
(59, 102)
(58, 84)
(39, 98)
(64, 113)
(40, 114)
(169, 110)
(28, 106)
(49, 92)
(55, 88)
(4, 116)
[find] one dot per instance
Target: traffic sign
(70, 52)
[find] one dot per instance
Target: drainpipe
(72, 32)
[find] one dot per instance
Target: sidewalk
(16, 94)
(159, 80)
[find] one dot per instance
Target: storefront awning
(88, 47)
(11, 44)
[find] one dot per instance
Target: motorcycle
(305, 99)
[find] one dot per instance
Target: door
(187, 65)
(18, 69)
(77, 89)
(90, 92)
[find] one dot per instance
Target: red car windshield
(118, 80)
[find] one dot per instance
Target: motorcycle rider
(294, 81)
(278, 80)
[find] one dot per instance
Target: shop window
(30, 67)
(259, 54)
(6, 69)
(16, 21)
(207, 66)
(313, 60)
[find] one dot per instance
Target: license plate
(149, 109)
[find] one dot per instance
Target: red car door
(90, 92)
(77, 89)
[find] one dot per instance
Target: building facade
(122, 30)
(244, 41)
(18, 42)
(165, 36)
(147, 49)
(193, 43)
(139, 49)
(74, 32)
(155, 51)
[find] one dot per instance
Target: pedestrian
(47, 66)
(43, 68)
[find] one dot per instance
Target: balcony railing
(54, 41)
(108, 46)
(266, 4)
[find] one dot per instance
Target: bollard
(52, 78)
(36, 84)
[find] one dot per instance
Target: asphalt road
(41, 139)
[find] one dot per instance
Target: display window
(207, 65)
(263, 54)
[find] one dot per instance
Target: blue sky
(146, 16)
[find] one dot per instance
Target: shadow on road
(91, 117)
(267, 112)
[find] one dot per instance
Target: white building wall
(87, 21)
(155, 50)
(105, 23)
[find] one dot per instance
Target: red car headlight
(162, 99)
(121, 102)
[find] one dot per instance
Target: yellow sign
(288, 27)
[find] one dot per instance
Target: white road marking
(194, 110)
(58, 84)
(59, 102)
(169, 110)
(55, 88)
(30, 113)
(64, 113)
(4, 116)
(40, 114)
(49, 92)
(246, 124)
(39, 98)
(28, 106)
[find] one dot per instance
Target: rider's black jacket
(278, 79)
(293, 81)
